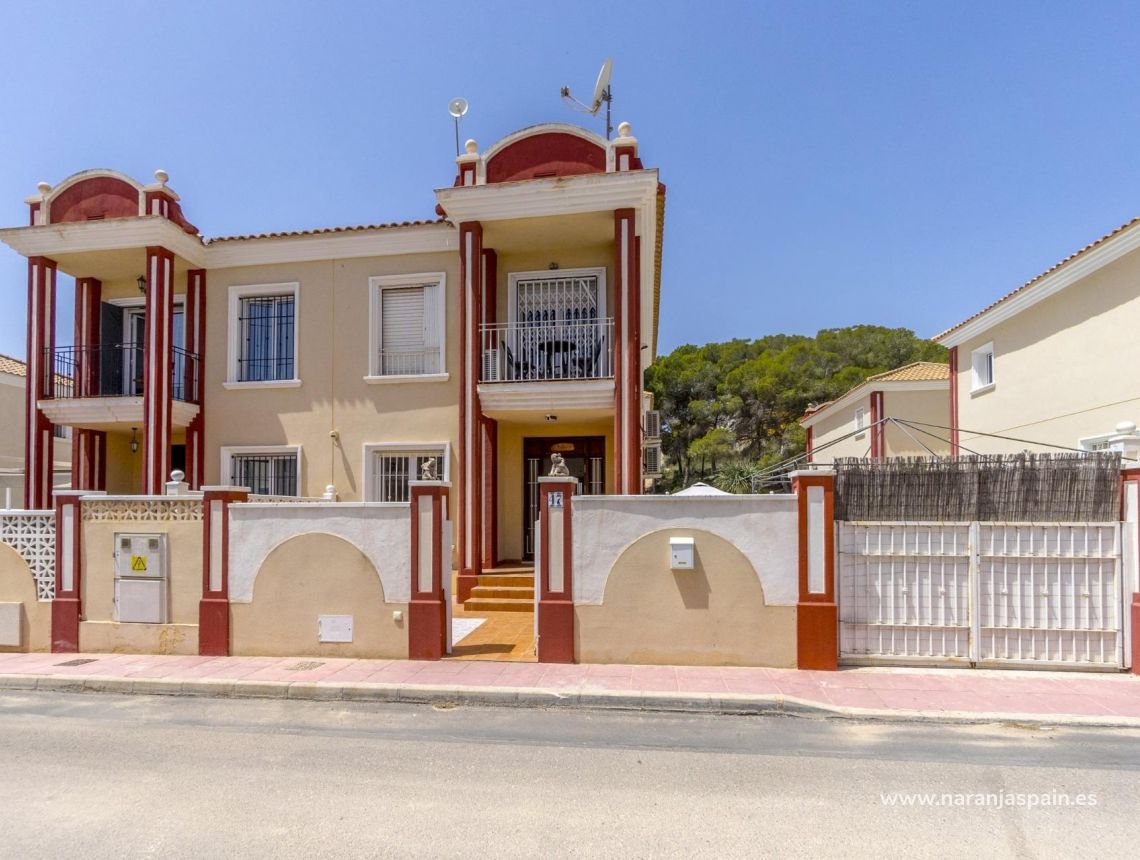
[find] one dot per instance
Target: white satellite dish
(602, 93)
(457, 108)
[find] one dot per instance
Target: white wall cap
(418, 483)
(557, 479)
(812, 473)
(226, 488)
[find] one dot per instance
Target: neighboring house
(1053, 362)
(517, 325)
(852, 425)
(13, 385)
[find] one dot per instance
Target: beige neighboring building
(852, 426)
(13, 384)
(1053, 362)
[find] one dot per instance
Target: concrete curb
(531, 697)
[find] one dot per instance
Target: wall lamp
(141, 281)
(134, 440)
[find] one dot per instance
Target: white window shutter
(431, 315)
(402, 326)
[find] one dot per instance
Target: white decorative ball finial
(472, 147)
(162, 176)
(43, 188)
(1126, 428)
(625, 129)
(177, 476)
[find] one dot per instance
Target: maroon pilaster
(490, 488)
(556, 583)
(39, 448)
(878, 449)
(1129, 482)
(88, 447)
(67, 606)
(471, 269)
(214, 607)
(427, 609)
(158, 366)
(817, 614)
(195, 364)
(953, 401)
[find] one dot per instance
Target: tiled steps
(502, 592)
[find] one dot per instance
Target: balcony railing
(547, 352)
(408, 362)
(116, 370)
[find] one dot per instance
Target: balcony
(101, 387)
(541, 365)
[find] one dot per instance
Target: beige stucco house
(856, 425)
(13, 385)
(1050, 365)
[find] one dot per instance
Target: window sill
(272, 383)
(981, 389)
(407, 377)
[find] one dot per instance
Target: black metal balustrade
(547, 351)
(117, 370)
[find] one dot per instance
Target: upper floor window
(860, 420)
(982, 361)
(263, 334)
(407, 332)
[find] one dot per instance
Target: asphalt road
(103, 775)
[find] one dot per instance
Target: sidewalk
(940, 695)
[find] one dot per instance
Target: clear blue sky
(827, 164)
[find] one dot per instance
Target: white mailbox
(681, 553)
(140, 578)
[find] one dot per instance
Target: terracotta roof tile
(919, 371)
(13, 366)
(1044, 274)
(290, 234)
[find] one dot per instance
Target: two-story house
(516, 326)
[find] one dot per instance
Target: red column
(953, 401)
(556, 584)
(1130, 483)
(627, 354)
(470, 441)
(808, 444)
(817, 614)
(193, 383)
(88, 447)
(67, 606)
(427, 609)
(156, 377)
(39, 449)
(214, 607)
(490, 460)
(878, 450)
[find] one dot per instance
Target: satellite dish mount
(603, 93)
(457, 108)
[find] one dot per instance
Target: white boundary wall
(380, 530)
(764, 528)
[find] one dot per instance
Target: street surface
(104, 775)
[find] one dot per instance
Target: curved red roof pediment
(544, 154)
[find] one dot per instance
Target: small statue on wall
(558, 468)
(429, 470)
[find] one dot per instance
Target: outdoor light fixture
(551, 417)
(141, 281)
(553, 267)
(134, 435)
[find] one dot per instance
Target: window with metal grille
(266, 324)
(409, 330)
(265, 474)
(392, 470)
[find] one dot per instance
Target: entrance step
(497, 604)
(519, 592)
(507, 579)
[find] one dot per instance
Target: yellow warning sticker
(138, 563)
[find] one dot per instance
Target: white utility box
(11, 632)
(140, 578)
(334, 628)
(681, 553)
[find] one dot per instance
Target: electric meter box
(140, 578)
(681, 553)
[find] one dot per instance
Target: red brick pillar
(1130, 552)
(817, 614)
(214, 607)
(431, 562)
(471, 270)
(88, 447)
(555, 610)
(38, 439)
(194, 362)
(67, 606)
(157, 370)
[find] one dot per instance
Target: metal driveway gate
(998, 594)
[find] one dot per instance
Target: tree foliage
(731, 408)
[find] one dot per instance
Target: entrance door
(585, 457)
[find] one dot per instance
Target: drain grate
(79, 662)
(306, 666)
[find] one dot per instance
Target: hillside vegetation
(729, 409)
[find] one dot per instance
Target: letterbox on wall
(681, 553)
(140, 578)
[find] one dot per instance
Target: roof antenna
(603, 92)
(457, 108)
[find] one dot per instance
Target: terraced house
(335, 362)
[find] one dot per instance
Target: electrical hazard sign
(138, 563)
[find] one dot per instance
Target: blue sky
(827, 164)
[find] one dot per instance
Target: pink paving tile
(853, 697)
(754, 684)
(608, 683)
(701, 685)
(608, 670)
(802, 691)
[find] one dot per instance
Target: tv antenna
(457, 108)
(603, 92)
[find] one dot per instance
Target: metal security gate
(981, 594)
